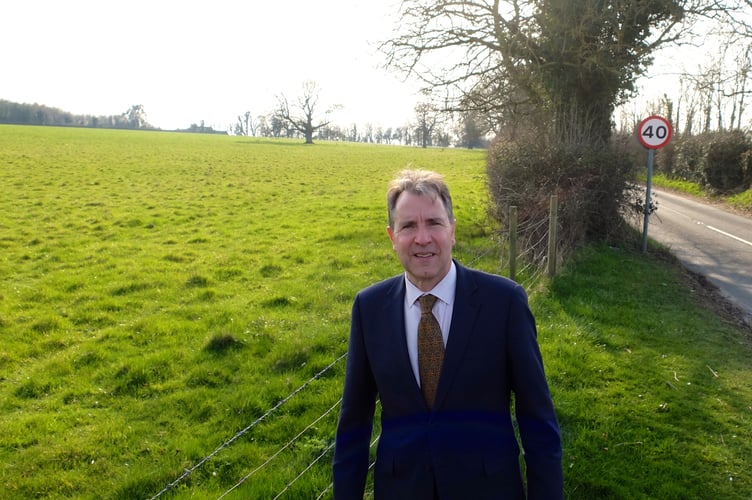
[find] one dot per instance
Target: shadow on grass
(650, 384)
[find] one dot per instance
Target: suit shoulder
(381, 288)
(483, 278)
(493, 284)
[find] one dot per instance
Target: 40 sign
(654, 132)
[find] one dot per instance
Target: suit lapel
(394, 311)
(464, 316)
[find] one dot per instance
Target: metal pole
(651, 155)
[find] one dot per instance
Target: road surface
(709, 241)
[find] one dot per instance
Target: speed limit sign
(654, 132)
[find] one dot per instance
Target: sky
(186, 61)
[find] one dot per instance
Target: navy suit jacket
(465, 447)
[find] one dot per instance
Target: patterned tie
(430, 349)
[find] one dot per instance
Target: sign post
(654, 132)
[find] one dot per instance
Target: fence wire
(532, 248)
(289, 485)
(286, 446)
(244, 431)
(370, 466)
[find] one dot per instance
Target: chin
(426, 274)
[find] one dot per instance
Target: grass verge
(652, 386)
(740, 201)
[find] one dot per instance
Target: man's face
(423, 237)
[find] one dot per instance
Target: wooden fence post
(552, 223)
(512, 242)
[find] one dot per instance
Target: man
(448, 434)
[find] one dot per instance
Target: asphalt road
(709, 241)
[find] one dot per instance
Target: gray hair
(420, 182)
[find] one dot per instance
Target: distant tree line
(431, 126)
(302, 117)
(439, 130)
(39, 114)
(202, 129)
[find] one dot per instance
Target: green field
(173, 302)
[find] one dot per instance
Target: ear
(390, 232)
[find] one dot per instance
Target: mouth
(424, 255)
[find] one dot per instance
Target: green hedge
(718, 161)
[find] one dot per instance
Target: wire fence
(287, 446)
(253, 424)
(531, 242)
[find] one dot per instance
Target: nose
(422, 235)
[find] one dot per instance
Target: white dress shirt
(442, 309)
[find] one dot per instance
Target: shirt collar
(444, 289)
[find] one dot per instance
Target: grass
(161, 292)
(740, 201)
(653, 390)
(677, 184)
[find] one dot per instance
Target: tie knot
(426, 303)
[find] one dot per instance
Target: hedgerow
(591, 185)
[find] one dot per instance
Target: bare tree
(135, 117)
(563, 64)
(241, 127)
(741, 89)
(427, 116)
(246, 125)
(368, 133)
(301, 117)
(716, 92)
(472, 129)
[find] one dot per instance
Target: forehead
(411, 205)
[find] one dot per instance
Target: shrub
(590, 184)
(718, 161)
(689, 158)
(725, 169)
